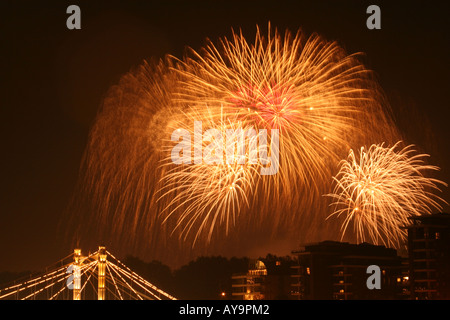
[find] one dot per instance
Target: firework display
(158, 164)
(379, 188)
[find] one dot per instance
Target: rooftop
(335, 247)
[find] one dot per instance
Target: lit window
(308, 271)
(278, 263)
(341, 291)
(437, 235)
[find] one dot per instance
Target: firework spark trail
(118, 167)
(321, 100)
(380, 187)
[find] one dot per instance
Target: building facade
(266, 279)
(429, 256)
(336, 270)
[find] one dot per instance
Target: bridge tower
(101, 265)
(77, 260)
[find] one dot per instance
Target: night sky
(53, 80)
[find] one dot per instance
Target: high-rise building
(429, 256)
(337, 270)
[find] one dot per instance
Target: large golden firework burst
(321, 100)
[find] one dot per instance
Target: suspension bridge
(96, 276)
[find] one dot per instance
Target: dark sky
(53, 80)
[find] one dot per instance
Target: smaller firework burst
(379, 188)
